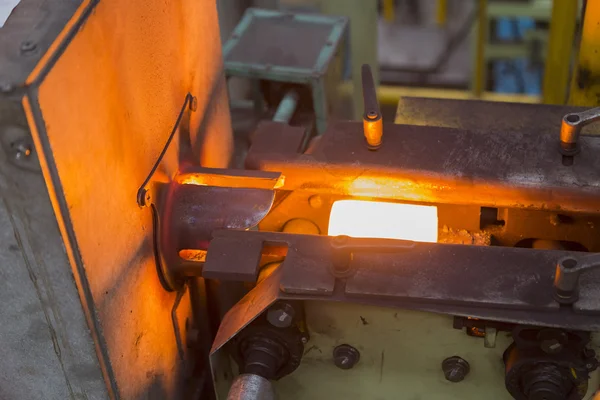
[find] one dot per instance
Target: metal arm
(571, 128)
(566, 278)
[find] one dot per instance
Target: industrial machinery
(452, 255)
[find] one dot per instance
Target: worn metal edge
(50, 173)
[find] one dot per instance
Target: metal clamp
(571, 129)
(566, 277)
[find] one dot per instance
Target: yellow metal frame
(390, 95)
(389, 10)
(479, 78)
(585, 83)
(560, 47)
(441, 13)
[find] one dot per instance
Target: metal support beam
(560, 45)
(585, 84)
(441, 14)
(481, 31)
(389, 12)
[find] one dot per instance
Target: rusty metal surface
(194, 212)
(459, 274)
(507, 284)
(277, 138)
(222, 262)
(486, 116)
(239, 316)
(35, 21)
(519, 169)
(460, 224)
(101, 107)
(199, 201)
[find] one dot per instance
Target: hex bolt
(455, 368)
(345, 356)
(281, 315)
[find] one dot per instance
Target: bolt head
(551, 346)
(281, 315)
(345, 356)
(28, 46)
(455, 369)
(340, 240)
(6, 87)
(552, 341)
(315, 201)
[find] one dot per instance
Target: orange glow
(193, 255)
(384, 220)
(223, 180)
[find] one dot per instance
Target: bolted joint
(345, 356)
(455, 369)
(281, 315)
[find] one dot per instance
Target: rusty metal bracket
(514, 285)
(443, 165)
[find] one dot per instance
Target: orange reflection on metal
(224, 180)
(384, 220)
(389, 187)
(193, 255)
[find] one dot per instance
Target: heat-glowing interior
(372, 219)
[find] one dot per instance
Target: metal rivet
(455, 368)
(28, 46)
(6, 87)
(345, 356)
(340, 240)
(315, 201)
